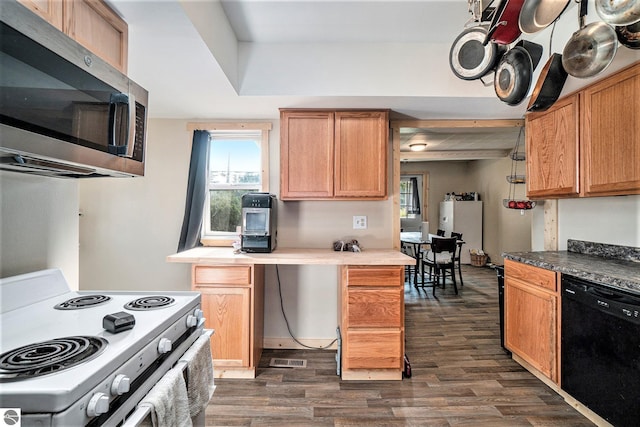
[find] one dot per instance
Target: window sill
(212, 241)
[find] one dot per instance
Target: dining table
(418, 240)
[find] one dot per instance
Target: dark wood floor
(461, 376)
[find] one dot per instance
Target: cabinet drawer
(369, 349)
(222, 275)
(532, 275)
(374, 276)
(374, 308)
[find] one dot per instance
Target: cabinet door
(373, 349)
(530, 325)
(361, 153)
(306, 154)
(227, 311)
(552, 150)
(611, 135)
(98, 28)
(49, 10)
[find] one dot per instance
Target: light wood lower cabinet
(372, 322)
(233, 305)
(532, 316)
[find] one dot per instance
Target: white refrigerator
(463, 217)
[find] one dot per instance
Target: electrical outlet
(359, 222)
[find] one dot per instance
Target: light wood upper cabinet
(49, 10)
(306, 154)
(532, 316)
(552, 150)
(328, 154)
(361, 153)
(587, 144)
(92, 23)
(611, 135)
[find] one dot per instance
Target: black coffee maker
(259, 220)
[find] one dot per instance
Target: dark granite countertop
(591, 262)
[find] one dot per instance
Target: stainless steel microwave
(64, 112)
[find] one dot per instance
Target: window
(409, 199)
(238, 164)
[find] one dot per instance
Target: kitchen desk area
(370, 306)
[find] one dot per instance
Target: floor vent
(288, 363)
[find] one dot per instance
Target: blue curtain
(196, 192)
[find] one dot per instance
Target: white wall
(39, 225)
(129, 225)
(613, 220)
(505, 230)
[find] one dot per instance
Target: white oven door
(142, 415)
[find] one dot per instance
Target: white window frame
(239, 130)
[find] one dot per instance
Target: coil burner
(149, 303)
(47, 357)
(84, 301)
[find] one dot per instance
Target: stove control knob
(98, 404)
(120, 385)
(164, 346)
(192, 321)
(198, 313)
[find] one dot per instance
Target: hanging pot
(629, 35)
(618, 12)
(536, 15)
(504, 27)
(590, 49)
(549, 84)
(514, 72)
(469, 59)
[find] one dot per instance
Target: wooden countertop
(296, 256)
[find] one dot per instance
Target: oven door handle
(142, 412)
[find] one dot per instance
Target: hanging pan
(618, 12)
(549, 84)
(629, 35)
(590, 49)
(469, 59)
(537, 15)
(512, 79)
(504, 27)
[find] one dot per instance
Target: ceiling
(245, 59)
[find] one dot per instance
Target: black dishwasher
(600, 349)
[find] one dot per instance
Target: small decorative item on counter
(478, 257)
(350, 246)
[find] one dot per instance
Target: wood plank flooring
(461, 376)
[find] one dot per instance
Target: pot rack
(515, 179)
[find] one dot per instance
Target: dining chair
(409, 270)
(458, 254)
(440, 259)
(440, 232)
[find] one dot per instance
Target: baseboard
(289, 344)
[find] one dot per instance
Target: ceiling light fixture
(418, 146)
